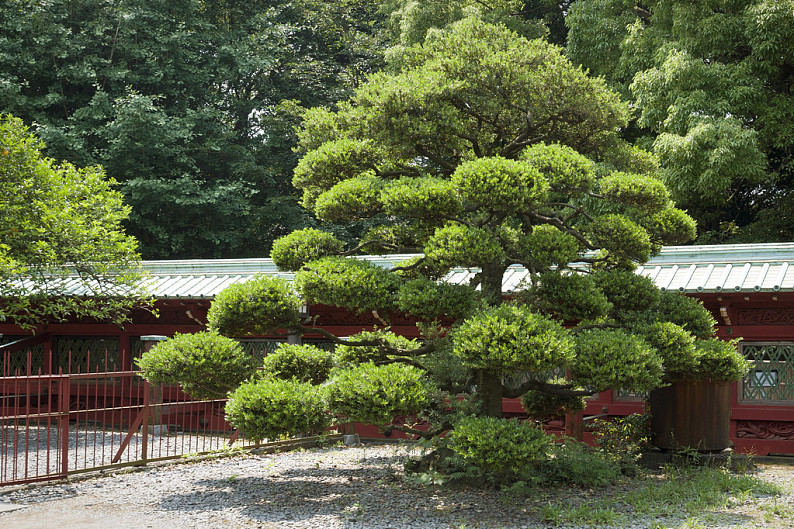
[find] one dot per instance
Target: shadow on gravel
(365, 497)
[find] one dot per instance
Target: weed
(695, 493)
(356, 509)
(623, 437)
(591, 515)
(774, 510)
(431, 477)
(551, 514)
(575, 463)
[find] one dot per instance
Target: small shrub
(613, 358)
(446, 369)
(429, 300)
(511, 338)
(687, 312)
(547, 246)
(292, 251)
(569, 297)
(720, 361)
(376, 394)
(206, 364)
(627, 291)
(273, 408)
(258, 306)
(675, 345)
(575, 463)
(350, 283)
(305, 363)
(501, 448)
(624, 438)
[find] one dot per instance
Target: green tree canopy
(61, 225)
(409, 21)
(188, 104)
(712, 83)
(484, 150)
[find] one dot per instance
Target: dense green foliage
(305, 363)
(409, 22)
(382, 342)
(293, 251)
(274, 408)
(207, 364)
(428, 300)
(511, 338)
(718, 361)
(376, 394)
(613, 358)
(712, 83)
(201, 143)
(348, 283)
(543, 407)
(60, 222)
(258, 306)
(188, 104)
(504, 448)
(575, 463)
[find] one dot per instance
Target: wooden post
(574, 425)
(155, 393)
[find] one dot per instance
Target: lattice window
(325, 345)
(771, 376)
(629, 395)
(95, 354)
(17, 362)
(259, 349)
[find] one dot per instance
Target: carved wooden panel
(769, 430)
(766, 316)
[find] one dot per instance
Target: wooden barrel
(693, 415)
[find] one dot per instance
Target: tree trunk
(489, 386)
(489, 391)
(491, 283)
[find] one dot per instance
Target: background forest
(191, 105)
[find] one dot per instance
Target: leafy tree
(484, 150)
(712, 83)
(61, 229)
(409, 21)
(183, 103)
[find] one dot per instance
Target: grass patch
(693, 490)
(678, 498)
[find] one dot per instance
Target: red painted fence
(57, 424)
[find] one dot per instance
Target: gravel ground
(339, 487)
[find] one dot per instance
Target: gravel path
(339, 487)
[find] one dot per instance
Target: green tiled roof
(693, 269)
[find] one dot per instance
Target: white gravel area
(338, 487)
